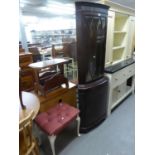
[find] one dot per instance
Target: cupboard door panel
(131, 32)
(109, 43)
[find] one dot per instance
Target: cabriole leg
(78, 125)
(52, 142)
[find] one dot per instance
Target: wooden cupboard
(26, 73)
(63, 94)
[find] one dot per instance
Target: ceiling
(52, 8)
(128, 3)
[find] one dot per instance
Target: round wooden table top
(31, 102)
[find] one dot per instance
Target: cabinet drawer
(119, 77)
(68, 97)
(27, 80)
(27, 83)
(116, 79)
(122, 75)
(130, 71)
(25, 60)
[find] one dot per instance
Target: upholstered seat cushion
(56, 118)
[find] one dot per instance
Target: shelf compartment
(120, 22)
(119, 92)
(119, 39)
(118, 53)
(118, 47)
(119, 32)
(118, 100)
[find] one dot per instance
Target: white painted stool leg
(78, 125)
(52, 142)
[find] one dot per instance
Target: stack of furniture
(46, 77)
(51, 86)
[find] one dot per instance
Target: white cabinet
(119, 48)
(121, 84)
(120, 32)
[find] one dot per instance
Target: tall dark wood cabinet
(91, 28)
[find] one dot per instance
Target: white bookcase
(119, 47)
(120, 32)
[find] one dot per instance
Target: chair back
(64, 51)
(35, 54)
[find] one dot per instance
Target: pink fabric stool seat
(56, 119)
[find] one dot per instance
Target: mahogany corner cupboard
(91, 29)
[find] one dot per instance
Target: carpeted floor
(115, 136)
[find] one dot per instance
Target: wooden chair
(66, 53)
(35, 54)
(27, 143)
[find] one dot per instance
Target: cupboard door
(130, 37)
(109, 41)
(91, 29)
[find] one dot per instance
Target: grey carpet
(115, 136)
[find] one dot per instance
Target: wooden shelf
(118, 47)
(119, 32)
(117, 61)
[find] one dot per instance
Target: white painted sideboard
(121, 84)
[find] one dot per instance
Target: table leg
(61, 67)
(36, 81)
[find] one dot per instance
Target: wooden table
(31, 102)
(38, 66)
